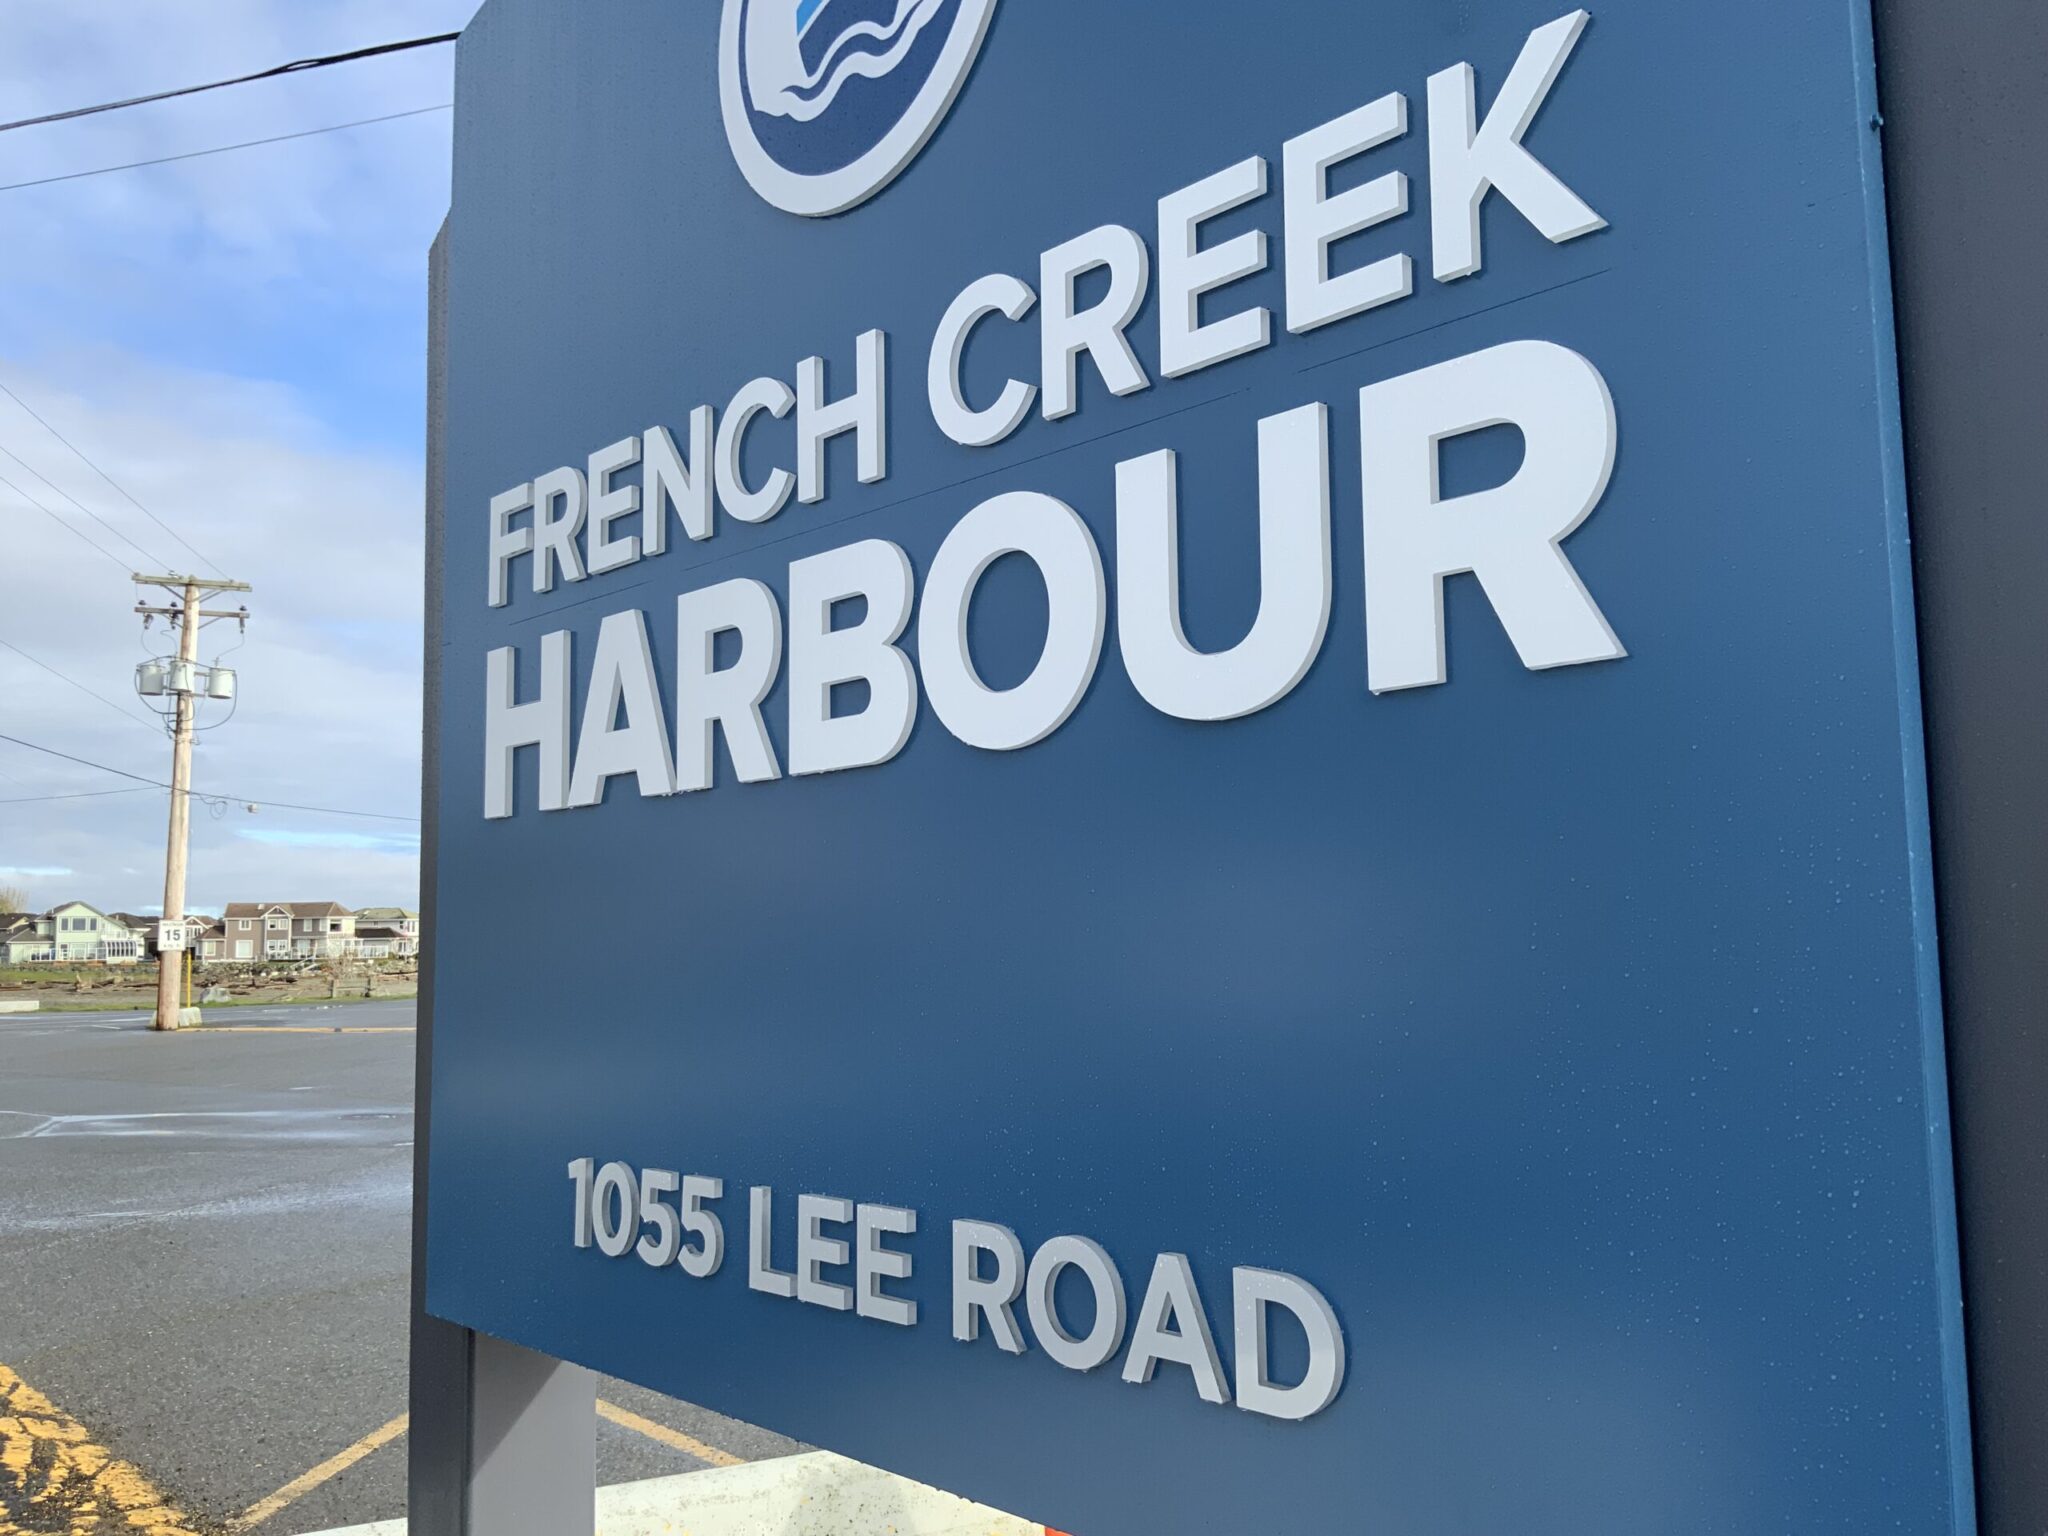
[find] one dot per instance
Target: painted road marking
(674, 1439)
(306, 1482)
(339, 1463)
(213, 1124)
(300, 1029)
(810, 1494)
(54, 1478)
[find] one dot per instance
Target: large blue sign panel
(1181, 767)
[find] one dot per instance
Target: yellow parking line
(51, 1466)
(304, 1484)
(674, 1439)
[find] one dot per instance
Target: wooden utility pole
(183, 684)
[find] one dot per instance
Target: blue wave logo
(800, 56)
(828, 101)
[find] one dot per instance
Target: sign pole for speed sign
(1229, 713)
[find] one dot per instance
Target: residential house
(395, 927)
(374, 941)
(143, 927)
(285, 930)
(203, 936)
(73, 932)
(24, 938)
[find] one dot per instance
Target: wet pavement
(203, 1260)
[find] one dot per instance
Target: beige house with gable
(251, 931)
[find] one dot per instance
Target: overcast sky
(239, 342)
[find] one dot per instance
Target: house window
(334, 925)
(242, 924)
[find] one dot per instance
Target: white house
(73, 932)
(383, 931)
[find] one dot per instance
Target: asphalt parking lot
(203, 1279)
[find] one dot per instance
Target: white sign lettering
(848, 1256)
(577, 522)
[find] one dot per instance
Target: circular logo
(826, 101)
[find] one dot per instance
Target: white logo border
(817, 197)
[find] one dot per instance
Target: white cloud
(237, 341)
(328, 702)
(369, 842)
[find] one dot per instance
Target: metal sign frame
(1965, 123)
(503, 1440)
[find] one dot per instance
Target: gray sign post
(502, 1441)
(1966, 147)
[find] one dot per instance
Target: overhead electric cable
(86, 762)
(74, 531)
(91, 794)
(89, 464)
(296, 67)
(148, 558)
(275, 805)
(74, 682)
(200, 154)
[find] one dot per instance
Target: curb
(816, 1494)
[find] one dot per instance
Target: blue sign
(1181, 771)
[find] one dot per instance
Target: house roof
(60, 906)
(378, 931)
(387, 914)
(134, 920)
(288, 908)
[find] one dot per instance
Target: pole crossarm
(204, 613)
(207, 586)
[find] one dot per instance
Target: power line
(88, 511)
(121, 773)
(296, 67)
(92, 794)
(73, 530)
(74, 682)
(89, 464)
(275, 805)
(198, 154)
